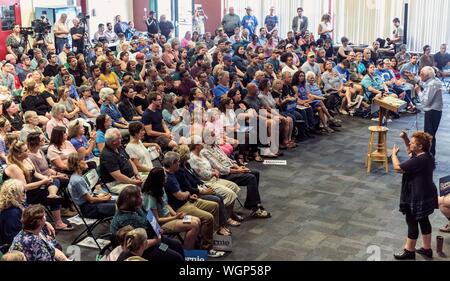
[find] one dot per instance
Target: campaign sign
(222, 243)
(195, 255)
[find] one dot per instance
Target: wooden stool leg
(386, 161)
(369, 153)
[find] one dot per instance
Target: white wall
(27, 8)
(106, 10)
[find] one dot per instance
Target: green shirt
(150, 203)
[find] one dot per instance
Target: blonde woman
(134, 245)
(40, 189)
(12, 200)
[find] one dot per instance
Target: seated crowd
(204, 108)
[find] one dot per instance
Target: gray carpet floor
(325, 206)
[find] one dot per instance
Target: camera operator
(61, 31)
(77, 32)
(42, 38)
(15, 43)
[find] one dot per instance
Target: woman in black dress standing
(419, 197)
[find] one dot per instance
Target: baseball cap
(227, 58)
(140, 56)
(311, 55)
(380, 62)
(248, 8)
(289, 46)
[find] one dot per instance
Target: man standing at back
(250, 22)
(230, 21)
(442, 61)
(61, 31)
(271, 21)
(300, 23)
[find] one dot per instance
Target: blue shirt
(218, 92)
(10, 224)
(410, 68)
(171, 187)
(82, 143)
(271, 22)
(33, 247)
(250, 23)
(313, 89)
(112, 111)
(73, 93)
(385, 74)
(78, 188)
(100, 139)
(344, 73)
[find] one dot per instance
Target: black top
(51, 70)
(79, 44)
(128, 110)
(152, 26)
(37, 104)
(143, 102)
(253, 102)
(165, 28)
(16, 121)
(111, 161)
(441, 60)
(188, 179)
(78, 75)
(419, 193)
(153, 118)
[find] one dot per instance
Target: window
(8, 15)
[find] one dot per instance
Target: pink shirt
(53, 123)
(54, 153)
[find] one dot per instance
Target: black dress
(419, 196)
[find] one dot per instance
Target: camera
(27, 31)
(83, 17)
(41, 26)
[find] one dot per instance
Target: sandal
(67, 228)
(233, 223)
(258, 158)
(223, 232)
(237, 218)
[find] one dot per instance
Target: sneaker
(375, 119)
(405, 255)
(445, 229)
(260, 213)
(215, 254)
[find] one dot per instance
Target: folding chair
(88, 231)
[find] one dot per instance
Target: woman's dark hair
(57, 138)
(195, 35)
(223, 103)
(139, 87)
(263, 84)
(232, 93)
(296, 78)
(154, 185)
(33, 140)
(192, 94)
(426, 47)
(135, 128)
(103, 67)
(125, 90)
(122, 55)
(129, 199)
(179, 63)
(7, 104)
(46, 80)
(31, 217)
(100, 123)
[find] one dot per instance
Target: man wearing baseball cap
(250, 22)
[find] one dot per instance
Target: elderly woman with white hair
(31, 125)
(110, 108)
(58, 118)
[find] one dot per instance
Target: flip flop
(67, 228)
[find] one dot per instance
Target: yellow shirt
(111, 80)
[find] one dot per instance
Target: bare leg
(410, 245)
(426, 241)
(52, 192)
(58, 221)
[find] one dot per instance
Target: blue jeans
(60, 42)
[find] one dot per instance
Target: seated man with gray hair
(116, 168)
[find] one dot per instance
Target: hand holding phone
(187, 219)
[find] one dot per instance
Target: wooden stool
(377, 152)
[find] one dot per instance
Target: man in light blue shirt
(250, 22)
(431, 99)
(222, 88)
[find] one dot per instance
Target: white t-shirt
(141, 153)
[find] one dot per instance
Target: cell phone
(187, 219)
(163, 247)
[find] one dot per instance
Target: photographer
(77, 32)
(61, 31)
(14, 42)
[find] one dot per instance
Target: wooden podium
(380, 154)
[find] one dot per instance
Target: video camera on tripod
(83, 18)
(38, 28)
